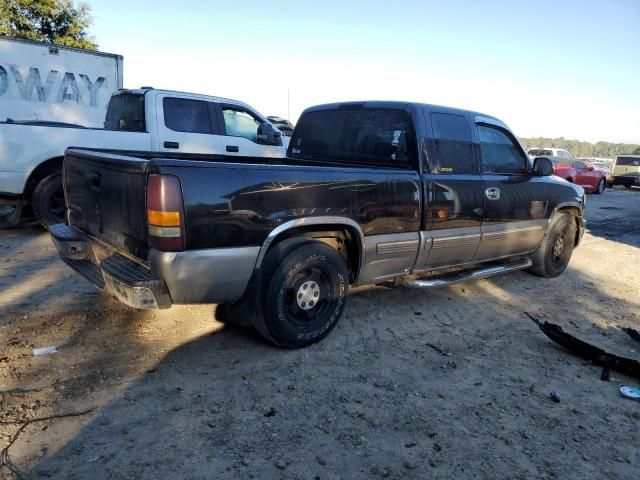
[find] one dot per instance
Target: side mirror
(590, 169)
(542, 167)
(268, 135)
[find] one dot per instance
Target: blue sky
(548, 68)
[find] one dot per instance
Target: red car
(581, 172)
(576, 170)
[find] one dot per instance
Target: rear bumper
(189, 277)
(129, 281)
(625, 180)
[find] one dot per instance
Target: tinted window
(126, 112)
(500, 153)
(240, 123)
(452, 152)
(633, 161)
(360, 135)
(184, 115)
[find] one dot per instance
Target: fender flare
(328, 220)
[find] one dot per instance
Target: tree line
(53, 21)
(583, 149)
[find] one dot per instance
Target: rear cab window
(356, 135)
(126, 112)
(452, 146)
(187, 115)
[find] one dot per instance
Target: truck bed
(233, 202)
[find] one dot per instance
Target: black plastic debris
(635, 334)
(585, 350)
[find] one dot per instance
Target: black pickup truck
(370, 192)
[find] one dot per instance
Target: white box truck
(52, 83)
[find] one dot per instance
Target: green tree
(54, 21)
(637, 151)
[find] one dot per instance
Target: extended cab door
(186, 125)
(454, 192)
(240, 133)
(514, 210)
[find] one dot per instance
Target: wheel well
(46, 168)
(575, 213)
(345, 240)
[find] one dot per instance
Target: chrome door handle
(492, 193)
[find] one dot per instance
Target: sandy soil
(449, 383)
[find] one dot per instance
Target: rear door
(187, 125)
(454, 192)
(514, 210)
(240, 133)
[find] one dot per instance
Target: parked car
(370, 192)
(579, 171)
(136, 121)
(626, 171)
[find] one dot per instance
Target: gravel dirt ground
(449, 383)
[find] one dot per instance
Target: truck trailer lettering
(69, 90)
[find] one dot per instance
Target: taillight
(165, 213)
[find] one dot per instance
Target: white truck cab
(142, 120)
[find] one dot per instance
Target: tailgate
(106, 197)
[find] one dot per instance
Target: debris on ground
(632, 393)
(626, 366)
(38, 352)
(554, 396)
(635, 334)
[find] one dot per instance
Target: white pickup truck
(142, 120)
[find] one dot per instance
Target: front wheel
(303, 294)
(601, 186)
(554, 253)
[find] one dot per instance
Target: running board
(457, 277)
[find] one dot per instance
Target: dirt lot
(449, 383)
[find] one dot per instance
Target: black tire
(627, 186)
(601, 186)
(47, 201)
(554, 253)
(304, 292)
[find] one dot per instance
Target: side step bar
(457, 277)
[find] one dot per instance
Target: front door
(454, 191)
(514, 213)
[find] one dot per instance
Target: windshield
(539, 152)
(360, 135)
(126, 112)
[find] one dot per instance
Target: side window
(453, 151)
(579, 165)
(240, 123)
(500, 153)
(185, 115)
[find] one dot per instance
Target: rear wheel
(627, 186)
(601, 186)
(303, 294)
(554, 253)
(47, 201)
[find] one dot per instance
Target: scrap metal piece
(635, 334)
(626, 366)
